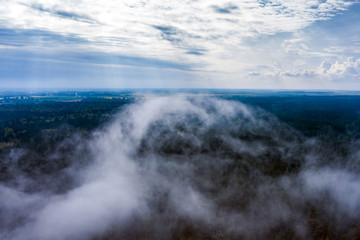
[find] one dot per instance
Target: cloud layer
(224, 41)
(140, 25)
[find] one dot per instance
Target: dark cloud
(108, 58)
(171, 34)
(308, 74)
(167, 30)
(45, 39)
(179, 38)
(264, 3)
(195, 52)
(226, 9)
(254, 74)
(26, 56)
(37, 38)
(64, 14)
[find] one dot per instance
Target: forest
(220, 166)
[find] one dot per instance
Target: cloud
(226, 9)
(220, 40)
(348, 66)
(134, 22)
(172, 34)
(63, 14)
(297, 45)
(37, 39)
(335, 72)
(341, 185)
(339, 68)
(195, 52)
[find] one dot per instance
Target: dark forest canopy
(25, 114)
(164, 165)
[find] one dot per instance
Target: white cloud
(332, 73)
(349, 49)
(212, 36)
(348, 66)
(125, 26)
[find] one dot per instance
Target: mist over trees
(182, 168)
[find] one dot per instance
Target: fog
(186, 168)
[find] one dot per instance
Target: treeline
(28, 124)
(312, 115)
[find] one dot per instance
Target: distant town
(32, 96)
(8, 97)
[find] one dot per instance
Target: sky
(250, 44)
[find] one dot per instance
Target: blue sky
(180, 44)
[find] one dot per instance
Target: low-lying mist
(184, 168)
